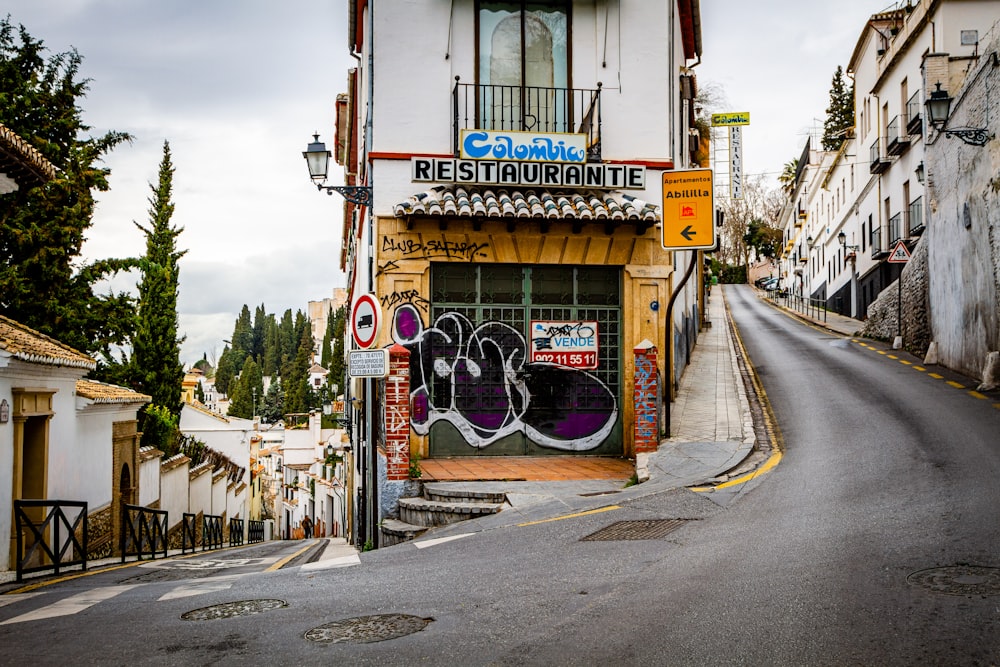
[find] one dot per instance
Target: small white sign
(574, 343)
(368, 363)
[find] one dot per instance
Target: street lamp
(842, 239)
(939, 108)
(318, 161)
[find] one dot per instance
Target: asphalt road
(873, 542)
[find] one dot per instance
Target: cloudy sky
(238, 86)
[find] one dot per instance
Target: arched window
(523, 62)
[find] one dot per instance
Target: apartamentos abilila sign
(525, 159)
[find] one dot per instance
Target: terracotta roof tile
(22, 160)
(99, 392)
(29, 345)
(472, 202)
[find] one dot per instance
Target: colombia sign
(688, 210)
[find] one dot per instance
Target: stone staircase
(439, 505)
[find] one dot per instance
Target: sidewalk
(711, 429)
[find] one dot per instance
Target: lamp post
(318, 161)
(852, 257)
(938, 106)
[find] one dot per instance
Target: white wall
(149, 481)
(174, 491)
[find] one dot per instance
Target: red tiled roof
(30, 345)
(485, 203)
(99, 392)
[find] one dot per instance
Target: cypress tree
(840, 113)
(156, 364)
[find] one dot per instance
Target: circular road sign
(366, 318)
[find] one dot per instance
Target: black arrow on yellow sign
(687, 233)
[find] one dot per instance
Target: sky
(239, 86)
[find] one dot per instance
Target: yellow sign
(729, 119)
(688, 210)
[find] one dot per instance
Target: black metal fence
(529, 109)
(255, 531)
(211, 532)
(144, 532)
(235, 532)
(188, 532)
(814, 308)
(52, 542)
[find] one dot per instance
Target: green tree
(787, 177)
(272, 408)
(42, 229)
(764, 239)
(297, 393)
(840, 112)
(248, 389)
(225, 371)
(156, 364)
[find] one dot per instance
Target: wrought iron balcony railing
(895, 228)
(915, 217)
(529, 109)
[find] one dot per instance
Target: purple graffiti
(478, 379)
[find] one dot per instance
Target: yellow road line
(976, 394)
(599, 510)
(771, 462)
(892, 356)
(919, 368)
(882, 352)
(284, 561)
(955, 384)
(935, 376)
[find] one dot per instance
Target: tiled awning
(480, 204)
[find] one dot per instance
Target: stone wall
(882, 322)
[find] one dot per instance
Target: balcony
(895, 229)
(897, 138)
(915, 121)
(529, 109)
(878, 251)
(915, 217)
(878, 162)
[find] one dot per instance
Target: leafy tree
(271, 363)
(840, 112)
(764, 239)
(297, 382)
(787, 177)
(156, 364)
(242, 338)
(272, 408)
(42, 229)
(199, 393)
(758, 204)
(160, 429)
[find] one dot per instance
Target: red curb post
(397, 414)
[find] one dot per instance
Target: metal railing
(914, 108)
(188, 532)
(235, 532)
(529, 109)
(255, 532)
(144, 532)
(211, 532)
(814, 308)
(35, 551)
(895, 228)
(915, 216)
(876, 242)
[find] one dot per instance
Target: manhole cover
(648, 529)
(367, 629)
(959, 580)
(230, 609)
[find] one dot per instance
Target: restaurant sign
(573, 343)
(593, 175)
(522, 146)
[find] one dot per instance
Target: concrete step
(451, 493)
(426, 512)
(397, 532)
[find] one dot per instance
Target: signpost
(688, 210)
(899, 255)
(366, 318)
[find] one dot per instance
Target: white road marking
(430, 543)
(11, 599)
(71, 605)
(342, 561)
(207, 586)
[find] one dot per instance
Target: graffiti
(388, 267)
(478, 379)
(433, 248)
(406, 296)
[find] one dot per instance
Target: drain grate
(959, 580)
(231, 609)
(367, 629)
(646, 529)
